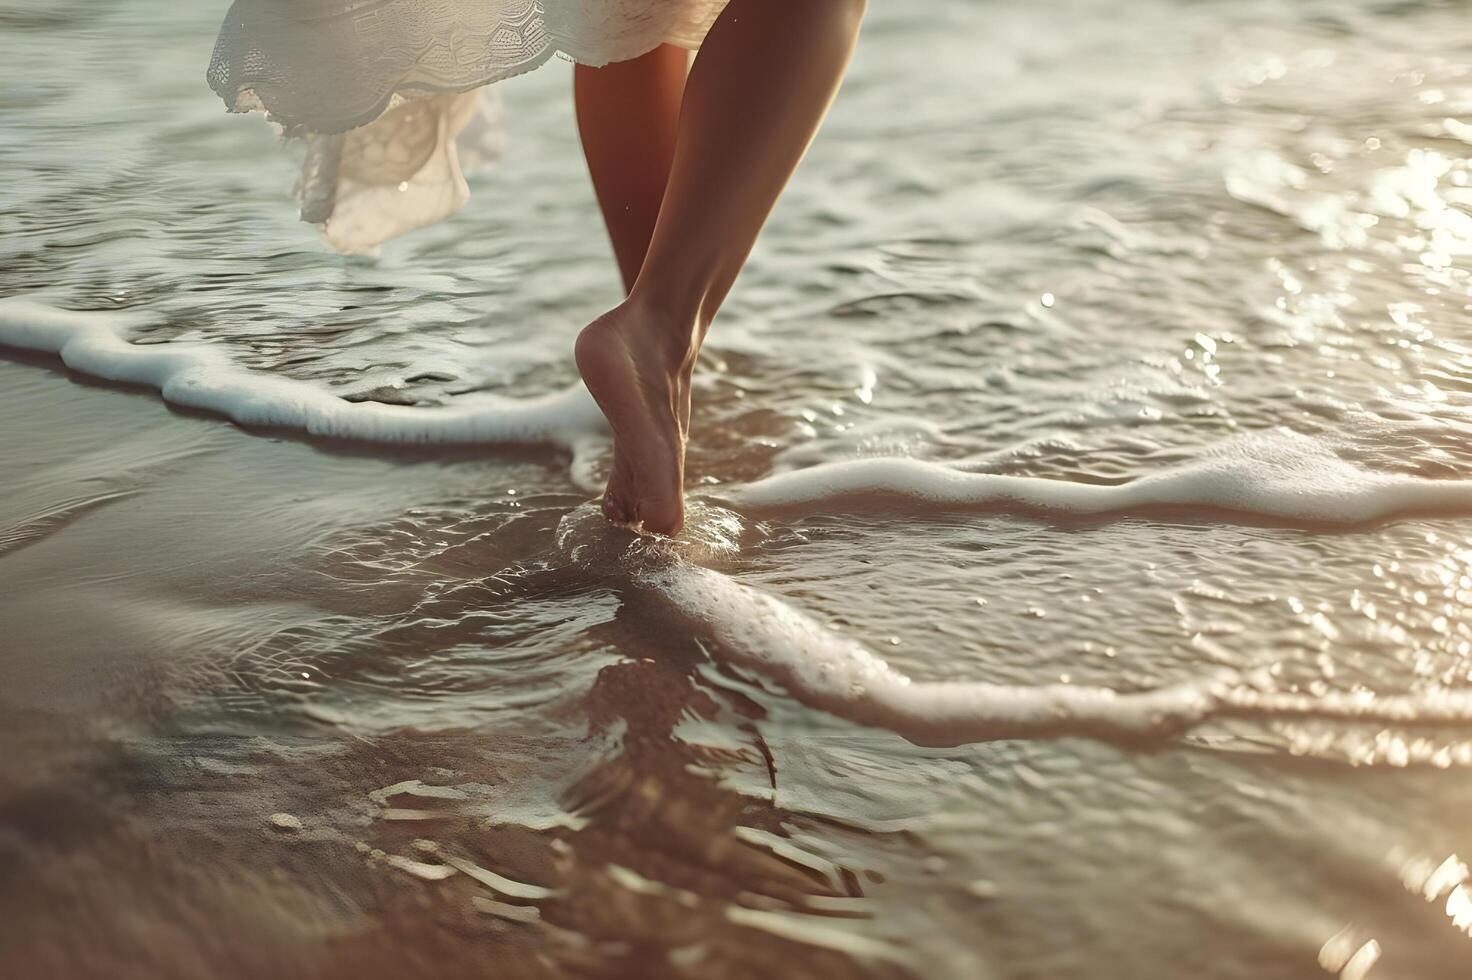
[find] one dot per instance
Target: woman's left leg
(628, 114)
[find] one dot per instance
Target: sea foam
(1273, 474)
(824, 669)
(1279, 474)
(839, 675)
(199, 376)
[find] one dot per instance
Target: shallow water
(1202, 267)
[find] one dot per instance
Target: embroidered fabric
(387, 93)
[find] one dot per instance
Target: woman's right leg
(759, 89)
(627, 117)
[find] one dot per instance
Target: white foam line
(1423, 709)
(835, 674)
(201, 377)
(1276, 474)
(1279, 474)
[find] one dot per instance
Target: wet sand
(137, 553)
(635, 823)
(135, 852)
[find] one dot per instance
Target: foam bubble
(1274, 473)
(202, 377)
(837, 674)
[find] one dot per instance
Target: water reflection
(666, 847)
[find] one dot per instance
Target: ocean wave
(830, 672)
(1276, 474)
(825, 670)
(201, 376)
(1270, 474)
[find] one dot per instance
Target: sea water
(1078, 554)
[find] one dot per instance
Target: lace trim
(383, 92)
(329, 66)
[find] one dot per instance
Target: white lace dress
(386, 93)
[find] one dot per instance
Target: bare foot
(634, 367)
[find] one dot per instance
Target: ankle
(666, 332)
